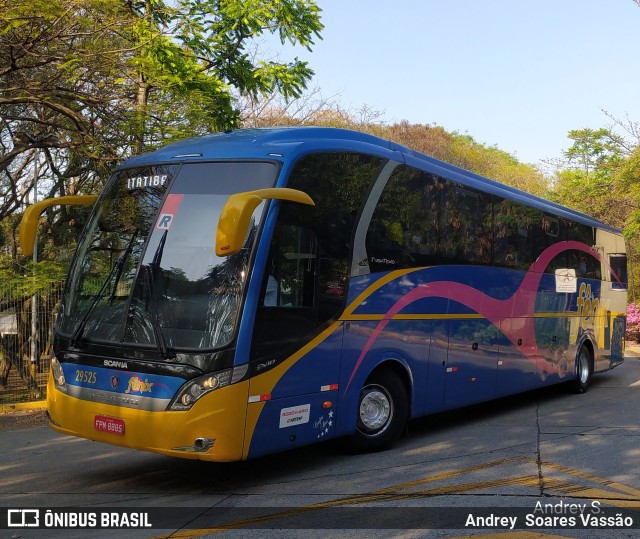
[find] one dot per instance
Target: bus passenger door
(471, 362)
(295, 351)
(436, 375)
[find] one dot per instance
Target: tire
(383, 410)
(583, 370)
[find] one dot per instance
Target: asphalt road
(547, 453)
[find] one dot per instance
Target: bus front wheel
(383, 408)
(583, 370)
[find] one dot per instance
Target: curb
(632, 350)
(23, 406)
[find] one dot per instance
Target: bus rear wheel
(383, 409)
(583, 370)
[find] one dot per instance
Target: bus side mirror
(29, 222)
(233, 224)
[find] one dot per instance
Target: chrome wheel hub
(583, 367)
(375, 410)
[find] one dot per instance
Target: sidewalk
(23, 407)
(632, 350)
(23, 418)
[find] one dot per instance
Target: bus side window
(468, 226)
(403, 228)
(586, 265)
(618, 263)
(290, 274)
(310, 250)
(514, 234)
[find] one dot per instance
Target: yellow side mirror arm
(233, 224)
(29, 222)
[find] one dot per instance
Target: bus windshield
(146, 272)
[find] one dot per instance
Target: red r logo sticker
(168, 212)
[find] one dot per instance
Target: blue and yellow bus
(257, 290)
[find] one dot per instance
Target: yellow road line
(620, 496)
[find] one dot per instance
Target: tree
(601, 177)
(627, 183)
(84, 83)
(465, 152)
(200, 50)
(594, 150)
(587, 182)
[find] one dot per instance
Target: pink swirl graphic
(516, 310)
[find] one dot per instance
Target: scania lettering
(115, 364)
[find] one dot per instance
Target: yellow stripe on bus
(442, 316)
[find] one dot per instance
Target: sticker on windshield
(168, 212)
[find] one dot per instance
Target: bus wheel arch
(383, 408)
(584, 365)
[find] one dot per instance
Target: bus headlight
(198, 387)
(58, 375)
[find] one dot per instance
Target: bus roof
(288, 143)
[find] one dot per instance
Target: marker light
(58, 375)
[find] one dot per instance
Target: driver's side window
(290, 276)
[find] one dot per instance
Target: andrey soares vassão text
(556, 515)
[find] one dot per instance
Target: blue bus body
(459, 303)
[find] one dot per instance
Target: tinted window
(465, 225)
(585, 265)
(422, 219)
(308, 258)
(338, 183)
(515, 231)
(618, 264)
(403, 231)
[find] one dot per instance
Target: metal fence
(26, 341)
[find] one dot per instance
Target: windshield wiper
(117, 269)
(150, 280)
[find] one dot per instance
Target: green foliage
(628, 189)
(108, 77)
(589, 180)
(594, 150)
(86, 83)
(601, 179)
(201, 49)
(497, 164)
(465, 152)
(589, 193)
(24, 281)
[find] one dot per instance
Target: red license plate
(114, 425)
